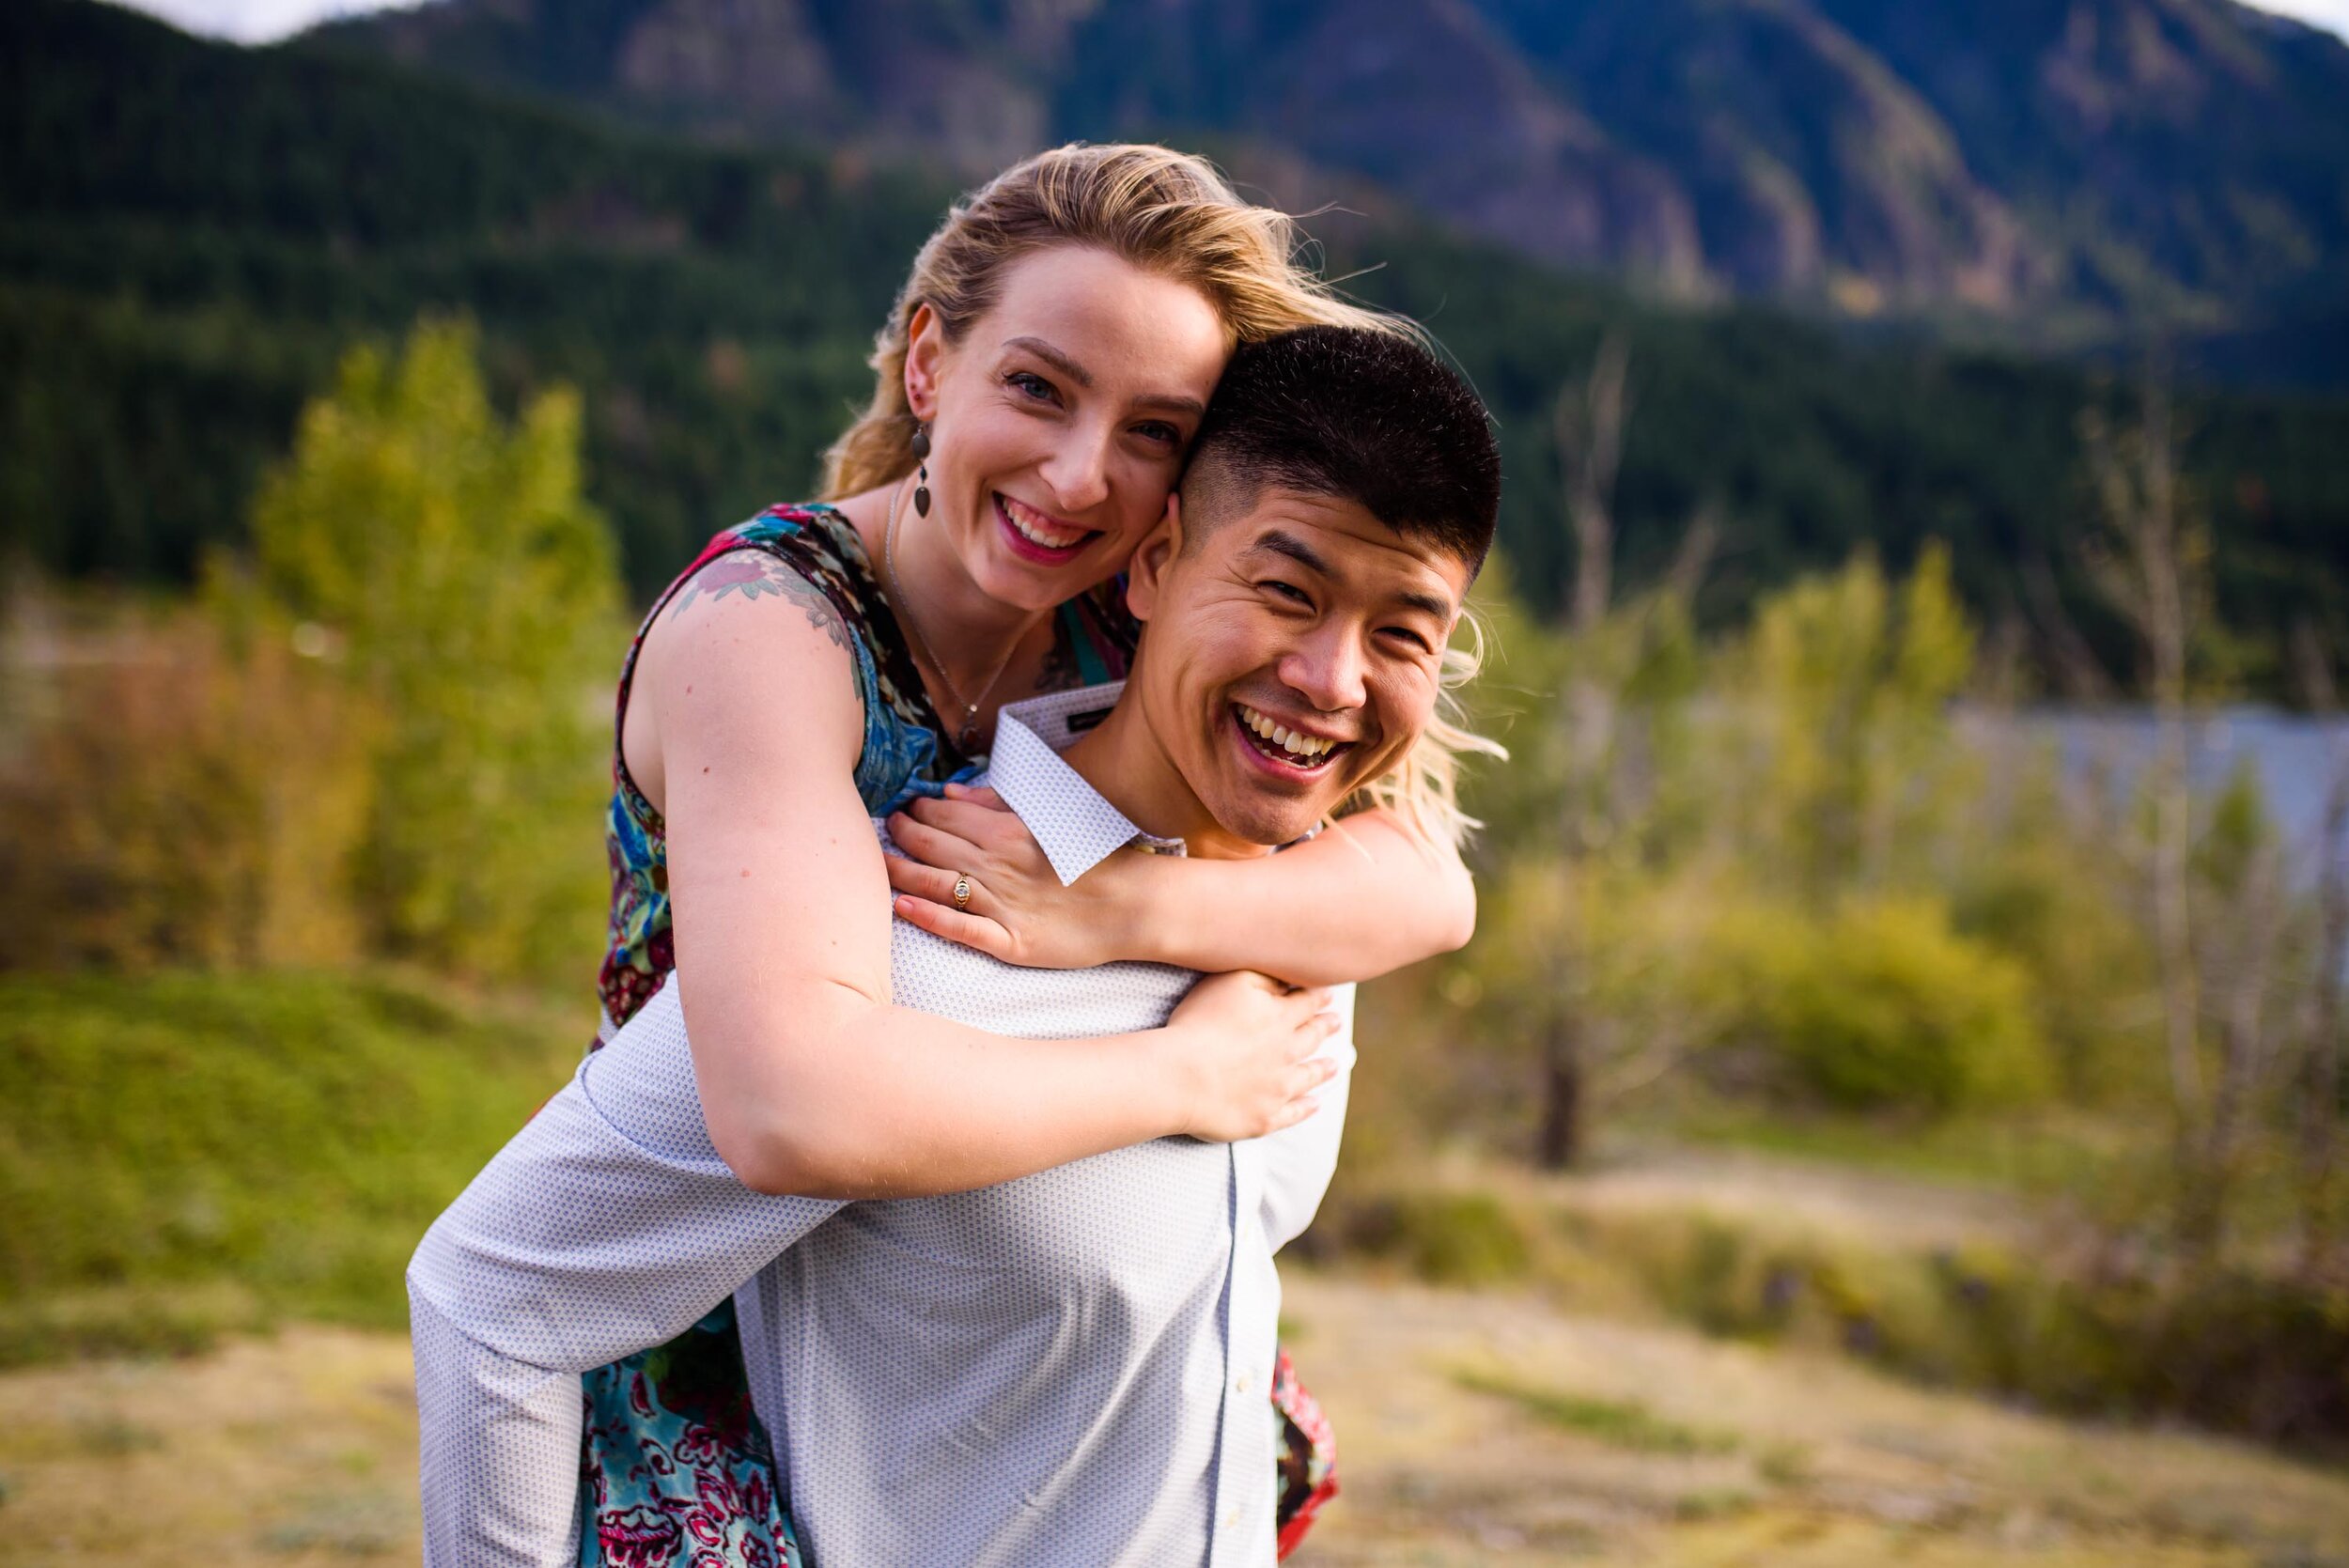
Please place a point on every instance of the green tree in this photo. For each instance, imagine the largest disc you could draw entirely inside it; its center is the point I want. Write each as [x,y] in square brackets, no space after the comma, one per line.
[446,563]
[1845,684]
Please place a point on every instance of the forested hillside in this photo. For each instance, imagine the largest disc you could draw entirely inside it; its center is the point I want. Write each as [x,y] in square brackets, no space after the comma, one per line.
[2090,162]
[188,233]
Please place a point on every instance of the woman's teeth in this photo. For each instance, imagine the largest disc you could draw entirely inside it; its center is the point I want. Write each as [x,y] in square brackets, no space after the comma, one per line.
[1303,747]
[1034,527]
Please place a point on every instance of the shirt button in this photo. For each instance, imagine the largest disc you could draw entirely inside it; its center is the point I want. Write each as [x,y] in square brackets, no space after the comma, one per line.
[1242,1384]
[1230,1520]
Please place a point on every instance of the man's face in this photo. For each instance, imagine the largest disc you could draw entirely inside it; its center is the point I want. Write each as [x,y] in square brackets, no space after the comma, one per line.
[1292,654]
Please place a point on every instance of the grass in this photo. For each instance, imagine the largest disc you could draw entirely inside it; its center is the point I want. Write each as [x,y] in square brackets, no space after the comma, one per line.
[183,1154]
[1832,1466]
[2247,1352]
[1619,1423]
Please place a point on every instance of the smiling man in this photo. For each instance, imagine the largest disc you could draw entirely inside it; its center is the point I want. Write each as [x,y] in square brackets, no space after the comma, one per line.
[1070,1368]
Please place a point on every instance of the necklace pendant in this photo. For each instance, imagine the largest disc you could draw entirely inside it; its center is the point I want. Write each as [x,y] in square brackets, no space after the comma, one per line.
[967,738]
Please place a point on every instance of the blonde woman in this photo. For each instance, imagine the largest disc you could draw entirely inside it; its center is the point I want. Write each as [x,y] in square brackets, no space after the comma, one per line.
[1040,378]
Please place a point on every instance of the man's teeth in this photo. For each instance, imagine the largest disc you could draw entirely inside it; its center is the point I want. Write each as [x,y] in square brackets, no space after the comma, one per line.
[1032,528]
[1302,746]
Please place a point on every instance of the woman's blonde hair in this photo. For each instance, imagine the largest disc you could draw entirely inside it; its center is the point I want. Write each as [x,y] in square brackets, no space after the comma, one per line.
[1424,787]
[1167,213]
[1171,214]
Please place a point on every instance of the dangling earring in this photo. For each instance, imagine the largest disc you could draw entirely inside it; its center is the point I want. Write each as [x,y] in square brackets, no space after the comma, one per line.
[922,479]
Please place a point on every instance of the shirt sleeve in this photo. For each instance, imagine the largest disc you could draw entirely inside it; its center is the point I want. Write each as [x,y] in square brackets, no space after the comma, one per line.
[1299,1160]
[607,1226]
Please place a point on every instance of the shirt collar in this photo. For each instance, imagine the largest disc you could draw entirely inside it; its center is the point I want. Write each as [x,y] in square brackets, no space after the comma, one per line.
[1073,822]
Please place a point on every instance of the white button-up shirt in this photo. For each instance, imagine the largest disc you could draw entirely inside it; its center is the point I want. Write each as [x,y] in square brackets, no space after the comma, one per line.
[1071,1367]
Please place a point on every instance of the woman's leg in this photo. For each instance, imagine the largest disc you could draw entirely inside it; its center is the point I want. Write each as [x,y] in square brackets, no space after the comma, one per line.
[677,1471]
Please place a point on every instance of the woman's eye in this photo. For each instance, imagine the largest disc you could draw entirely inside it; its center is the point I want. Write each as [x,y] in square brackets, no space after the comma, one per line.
[1032,384]
[1165,435]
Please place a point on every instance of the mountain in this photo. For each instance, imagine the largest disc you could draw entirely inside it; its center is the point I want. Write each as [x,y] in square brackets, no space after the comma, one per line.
[2074,163]
[181,262]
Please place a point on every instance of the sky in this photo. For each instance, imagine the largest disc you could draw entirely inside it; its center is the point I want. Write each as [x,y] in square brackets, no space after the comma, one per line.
[259,21]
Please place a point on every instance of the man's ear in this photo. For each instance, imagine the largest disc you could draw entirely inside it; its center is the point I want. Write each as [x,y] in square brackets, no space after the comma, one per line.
[1146,574]
[925,348]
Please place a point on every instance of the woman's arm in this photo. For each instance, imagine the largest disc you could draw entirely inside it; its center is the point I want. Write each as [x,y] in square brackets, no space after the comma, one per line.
[811,1080]
[1370,894]
[1367,895]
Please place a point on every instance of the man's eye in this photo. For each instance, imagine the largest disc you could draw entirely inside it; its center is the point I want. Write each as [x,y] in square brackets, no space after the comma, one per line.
[1032,384]
[1288,591]
[1405,634]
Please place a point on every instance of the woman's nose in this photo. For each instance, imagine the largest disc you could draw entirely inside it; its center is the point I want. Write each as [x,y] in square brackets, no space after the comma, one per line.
[1079,472]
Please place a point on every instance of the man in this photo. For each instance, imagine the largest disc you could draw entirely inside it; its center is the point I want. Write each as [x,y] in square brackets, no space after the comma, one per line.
[1070,1368]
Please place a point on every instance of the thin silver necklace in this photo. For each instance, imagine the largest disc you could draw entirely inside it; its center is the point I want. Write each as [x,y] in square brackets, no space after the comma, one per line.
[967,735]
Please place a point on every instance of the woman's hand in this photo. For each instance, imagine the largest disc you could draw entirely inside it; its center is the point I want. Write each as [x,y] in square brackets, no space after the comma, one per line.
[1018,911]
[1242,1048]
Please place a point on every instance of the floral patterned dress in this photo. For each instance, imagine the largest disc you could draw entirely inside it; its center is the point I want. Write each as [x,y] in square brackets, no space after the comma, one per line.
[676,1471]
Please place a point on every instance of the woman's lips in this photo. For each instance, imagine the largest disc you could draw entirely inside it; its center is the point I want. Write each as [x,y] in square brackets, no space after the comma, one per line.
[1035,537]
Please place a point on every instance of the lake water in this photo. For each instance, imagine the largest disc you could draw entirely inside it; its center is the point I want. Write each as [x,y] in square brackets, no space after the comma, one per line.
[2294,756]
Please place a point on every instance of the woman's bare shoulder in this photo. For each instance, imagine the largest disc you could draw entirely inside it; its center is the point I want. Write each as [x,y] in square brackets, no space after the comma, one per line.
[748,659]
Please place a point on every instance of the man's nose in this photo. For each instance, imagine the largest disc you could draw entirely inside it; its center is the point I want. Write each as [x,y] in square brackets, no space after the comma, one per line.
[1077,471]
[1326,669]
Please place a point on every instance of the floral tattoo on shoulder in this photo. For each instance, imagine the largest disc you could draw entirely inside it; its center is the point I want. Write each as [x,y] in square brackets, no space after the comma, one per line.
[754,574]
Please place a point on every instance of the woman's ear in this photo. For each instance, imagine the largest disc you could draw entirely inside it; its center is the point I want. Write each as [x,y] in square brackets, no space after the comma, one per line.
[925,354]
[1146,574]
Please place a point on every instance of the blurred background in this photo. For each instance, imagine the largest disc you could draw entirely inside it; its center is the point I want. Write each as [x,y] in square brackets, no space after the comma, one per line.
[1893,1111]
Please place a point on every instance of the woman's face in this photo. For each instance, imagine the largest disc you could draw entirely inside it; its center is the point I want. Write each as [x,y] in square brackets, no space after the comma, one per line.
[1060,421]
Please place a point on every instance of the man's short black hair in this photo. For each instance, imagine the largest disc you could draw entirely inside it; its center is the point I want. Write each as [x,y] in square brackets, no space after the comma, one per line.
[1367,416]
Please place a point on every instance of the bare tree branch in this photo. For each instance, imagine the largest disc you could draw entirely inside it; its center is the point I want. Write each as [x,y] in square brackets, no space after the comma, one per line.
[2075,663]
[2322,1083]
[1590,448]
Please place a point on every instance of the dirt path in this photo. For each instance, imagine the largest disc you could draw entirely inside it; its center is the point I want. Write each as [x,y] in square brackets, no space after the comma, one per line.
[286,1451]
[1607,1444]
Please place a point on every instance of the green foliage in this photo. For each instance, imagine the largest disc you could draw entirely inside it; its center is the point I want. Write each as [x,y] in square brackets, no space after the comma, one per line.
[2238,1350]
[2235,1352]
[184,1151]
[1880,1003]
[1446,1238]
[1623,922]
[467,595]
[1845,683]
[2037,889]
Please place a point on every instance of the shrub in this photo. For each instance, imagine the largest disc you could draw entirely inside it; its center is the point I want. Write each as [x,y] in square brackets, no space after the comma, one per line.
[1446,1238]
[1882,1004]
[180,801]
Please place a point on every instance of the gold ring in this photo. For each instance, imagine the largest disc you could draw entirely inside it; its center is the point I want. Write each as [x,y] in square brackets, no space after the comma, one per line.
[962,889]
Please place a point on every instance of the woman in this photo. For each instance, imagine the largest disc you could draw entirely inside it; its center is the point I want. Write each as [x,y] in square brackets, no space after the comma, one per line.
[1038,380]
